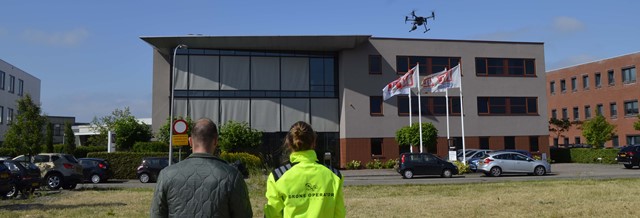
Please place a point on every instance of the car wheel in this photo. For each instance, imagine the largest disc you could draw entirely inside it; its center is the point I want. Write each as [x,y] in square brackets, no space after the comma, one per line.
[144,178]
[70,186]
[54,181]
[13,191]
[95,178]
[496,171]
[628,166]
[539,171]
[407,174]
[446,173]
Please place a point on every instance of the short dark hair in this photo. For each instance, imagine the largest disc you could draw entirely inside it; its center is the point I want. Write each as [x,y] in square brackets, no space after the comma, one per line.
[204,131]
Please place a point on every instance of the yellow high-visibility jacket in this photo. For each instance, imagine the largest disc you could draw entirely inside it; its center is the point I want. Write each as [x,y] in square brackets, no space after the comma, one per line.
[304,188]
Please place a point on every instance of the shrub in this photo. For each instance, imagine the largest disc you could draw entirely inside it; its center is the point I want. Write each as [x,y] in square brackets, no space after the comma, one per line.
[353,165]
[390,164]
[375,164]
[124,164]
[462,168]
[10,152]
[252,162]
[588,155]
[560,155]
[150,147]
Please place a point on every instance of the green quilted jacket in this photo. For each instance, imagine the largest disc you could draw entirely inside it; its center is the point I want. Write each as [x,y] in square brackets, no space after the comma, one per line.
[201,186]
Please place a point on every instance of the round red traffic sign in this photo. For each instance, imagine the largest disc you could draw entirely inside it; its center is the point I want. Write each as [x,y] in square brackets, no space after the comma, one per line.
[180,127]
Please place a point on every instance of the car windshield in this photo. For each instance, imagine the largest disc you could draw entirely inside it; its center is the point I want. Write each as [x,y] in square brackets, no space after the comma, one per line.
[70,158]
[29,165]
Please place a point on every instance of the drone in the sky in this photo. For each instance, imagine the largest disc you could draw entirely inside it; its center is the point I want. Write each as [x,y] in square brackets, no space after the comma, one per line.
[419,21]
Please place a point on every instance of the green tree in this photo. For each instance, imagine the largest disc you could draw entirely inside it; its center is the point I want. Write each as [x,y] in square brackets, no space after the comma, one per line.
[636,125]
[237,135]
[127,129]
[559,126]
[25,131]
[409,135]
[163,133]
[69,138]
[49,137]
[597,131]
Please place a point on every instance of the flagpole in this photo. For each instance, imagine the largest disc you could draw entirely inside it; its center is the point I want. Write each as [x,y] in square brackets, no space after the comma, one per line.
[410,120]
[464,148]
[446,97]
[417,72]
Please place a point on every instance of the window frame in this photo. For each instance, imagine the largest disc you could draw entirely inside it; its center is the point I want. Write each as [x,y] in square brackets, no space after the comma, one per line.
[574,84]
[585,82]
[613,110]
[12,84]
[371,101]
[379,64]
[428,105]
[598,80]
[599,109]
[508,106]
[505,67]
[1,114]
[611,78]
[2,79]
[513,146]
[563,86]
[554,113]
[552,87]
[480,142]
[625,79]
[625,108]
[426,68]
[587,112]
[20,87]
[532,146]
[576,113]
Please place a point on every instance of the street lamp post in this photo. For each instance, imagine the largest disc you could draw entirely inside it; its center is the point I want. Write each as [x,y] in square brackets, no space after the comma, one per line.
[173,76]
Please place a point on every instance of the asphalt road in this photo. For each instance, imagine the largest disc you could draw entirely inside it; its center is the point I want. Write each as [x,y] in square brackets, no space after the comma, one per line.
[390,177]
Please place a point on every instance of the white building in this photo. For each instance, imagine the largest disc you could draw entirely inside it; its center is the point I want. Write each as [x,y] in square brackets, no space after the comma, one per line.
[14,84]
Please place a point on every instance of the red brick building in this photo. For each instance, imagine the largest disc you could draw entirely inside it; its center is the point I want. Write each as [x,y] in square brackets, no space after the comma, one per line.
[608,87]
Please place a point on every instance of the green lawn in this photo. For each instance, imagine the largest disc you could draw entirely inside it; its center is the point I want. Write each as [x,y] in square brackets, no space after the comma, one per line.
[565,198]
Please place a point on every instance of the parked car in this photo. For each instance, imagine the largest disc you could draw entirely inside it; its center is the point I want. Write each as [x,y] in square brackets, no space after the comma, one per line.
[25,177]
[95,170]
[629,156]
[5,180]
[523,152]
[412,164]
[497,163]
[150,167]
[474,154]
[58,170]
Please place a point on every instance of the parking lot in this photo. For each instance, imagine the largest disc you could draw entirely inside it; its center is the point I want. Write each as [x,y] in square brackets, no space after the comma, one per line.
[390,177]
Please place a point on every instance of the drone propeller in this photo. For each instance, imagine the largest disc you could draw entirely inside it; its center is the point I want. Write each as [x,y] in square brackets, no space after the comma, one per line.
[406,18]
[433,14]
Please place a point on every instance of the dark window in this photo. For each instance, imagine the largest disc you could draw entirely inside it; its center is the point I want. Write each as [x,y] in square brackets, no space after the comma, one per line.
[376,146]
[507,105]
[554,114]
[555,142]
[20,87]
[599,109]
[574,86]
[598,80]
[428,65]
[57,130]
[533,143]
[631,108]
[375,106]
[1,115]
[585,82]
[552,87]
[430,106]
[375,64]
[2,80]
[566,141]
[576,140]
[563,86]
[503,157]
[9,115]
[576,113]
[611,77]
[41,159]
[613,110]
[505,67]
[629,75]
[565,114]
[633,139]
[12,84]
[614,141]
[509,142]
[484,142]
[587,112]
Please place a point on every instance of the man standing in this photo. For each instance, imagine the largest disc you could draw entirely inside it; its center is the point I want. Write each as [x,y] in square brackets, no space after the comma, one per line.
[201,185]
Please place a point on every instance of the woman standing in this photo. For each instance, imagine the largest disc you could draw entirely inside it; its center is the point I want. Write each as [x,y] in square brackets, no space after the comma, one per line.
[303,187]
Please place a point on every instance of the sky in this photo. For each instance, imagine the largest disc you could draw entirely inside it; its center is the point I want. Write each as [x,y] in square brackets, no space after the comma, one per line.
[90,58]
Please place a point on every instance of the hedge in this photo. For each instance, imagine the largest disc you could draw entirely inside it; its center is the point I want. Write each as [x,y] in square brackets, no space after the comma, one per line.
[8,152]
[124,164]
[150,147]
[584,155]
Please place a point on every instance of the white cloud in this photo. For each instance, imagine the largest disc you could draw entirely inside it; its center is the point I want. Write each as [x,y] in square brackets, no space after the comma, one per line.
[571,61]
[65,38]
[567,24]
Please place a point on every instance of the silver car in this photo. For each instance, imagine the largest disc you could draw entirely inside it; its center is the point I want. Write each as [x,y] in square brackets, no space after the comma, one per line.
[497,163]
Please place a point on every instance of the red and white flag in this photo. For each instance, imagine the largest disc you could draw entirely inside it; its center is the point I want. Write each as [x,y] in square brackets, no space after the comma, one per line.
[401,85]
[443,80]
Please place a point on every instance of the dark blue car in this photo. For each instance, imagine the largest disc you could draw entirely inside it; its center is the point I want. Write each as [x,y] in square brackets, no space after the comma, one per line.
[5,180]
[95,170]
